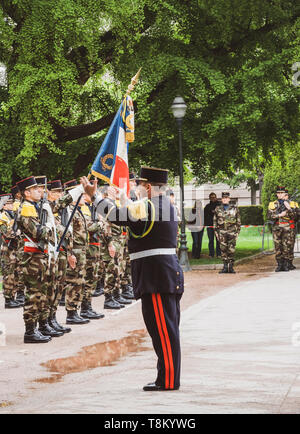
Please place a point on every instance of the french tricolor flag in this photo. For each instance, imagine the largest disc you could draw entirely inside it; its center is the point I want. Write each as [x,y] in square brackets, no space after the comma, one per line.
[111,163]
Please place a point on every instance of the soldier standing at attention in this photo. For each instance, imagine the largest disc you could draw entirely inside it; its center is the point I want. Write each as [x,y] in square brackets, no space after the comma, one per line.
[156,274]
[227,226]
[283,218]
[295,207]
[94,228]
[75,278]
[20,298]
[55,192]
[34,260]
[8,252]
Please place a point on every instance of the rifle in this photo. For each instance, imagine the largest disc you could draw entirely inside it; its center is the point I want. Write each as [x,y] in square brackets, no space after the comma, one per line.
[43,216]
[68,224]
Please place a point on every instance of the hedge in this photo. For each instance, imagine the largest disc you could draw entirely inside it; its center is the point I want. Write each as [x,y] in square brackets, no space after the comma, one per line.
[250,215]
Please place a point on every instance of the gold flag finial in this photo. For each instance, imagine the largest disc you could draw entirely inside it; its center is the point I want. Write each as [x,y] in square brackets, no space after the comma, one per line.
[134,81]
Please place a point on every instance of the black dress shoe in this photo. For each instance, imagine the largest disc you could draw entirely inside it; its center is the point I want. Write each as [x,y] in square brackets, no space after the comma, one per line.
[153,387]
[74,318]
[10,303]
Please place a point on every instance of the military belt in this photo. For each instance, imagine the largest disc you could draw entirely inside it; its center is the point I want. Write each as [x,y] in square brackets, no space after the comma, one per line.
[151,252]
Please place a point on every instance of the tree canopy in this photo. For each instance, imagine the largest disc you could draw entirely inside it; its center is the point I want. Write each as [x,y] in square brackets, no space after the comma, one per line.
[69,62]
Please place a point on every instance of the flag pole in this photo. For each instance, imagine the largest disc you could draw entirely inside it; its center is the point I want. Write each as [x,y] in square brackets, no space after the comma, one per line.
[130,88]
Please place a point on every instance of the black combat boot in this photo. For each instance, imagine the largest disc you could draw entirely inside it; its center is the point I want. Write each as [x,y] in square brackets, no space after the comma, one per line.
[62,301]
[118,297]
[10,303]
[99,288]
[127,292]
[285,265]
[33,336]
[20,298]
[224,269]
[279,265]
[56,326]
[111,303]
[88,312]
[230,268]
[291,265]
[47,330]
[74,318]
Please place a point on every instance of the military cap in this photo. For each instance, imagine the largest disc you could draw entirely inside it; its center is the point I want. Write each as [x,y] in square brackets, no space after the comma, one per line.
[286,191]
[14,190]
[225,194]
[71,184]
[280,189]
[152,174]
[56,185]
[26,183]
[41,180]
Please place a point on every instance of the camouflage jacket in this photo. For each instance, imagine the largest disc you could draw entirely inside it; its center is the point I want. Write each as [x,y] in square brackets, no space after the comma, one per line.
[94,228]
[287,221]
[227,220]
[67,245]
[34,232]
[8,235]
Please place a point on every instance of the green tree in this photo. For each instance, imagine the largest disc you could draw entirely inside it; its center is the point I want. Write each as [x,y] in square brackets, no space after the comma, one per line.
[69,62]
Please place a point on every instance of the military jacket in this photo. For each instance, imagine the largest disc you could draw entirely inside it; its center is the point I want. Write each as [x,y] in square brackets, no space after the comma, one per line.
[287,221]
[152,226]
[227,220]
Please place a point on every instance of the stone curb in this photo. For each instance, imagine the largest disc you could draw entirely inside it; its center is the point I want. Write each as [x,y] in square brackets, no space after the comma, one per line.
[220,266]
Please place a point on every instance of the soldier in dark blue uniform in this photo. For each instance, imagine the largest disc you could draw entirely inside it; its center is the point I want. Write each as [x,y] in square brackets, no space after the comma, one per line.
[156,274]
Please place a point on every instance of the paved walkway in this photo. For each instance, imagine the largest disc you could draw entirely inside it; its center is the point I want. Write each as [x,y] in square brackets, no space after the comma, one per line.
[241,354]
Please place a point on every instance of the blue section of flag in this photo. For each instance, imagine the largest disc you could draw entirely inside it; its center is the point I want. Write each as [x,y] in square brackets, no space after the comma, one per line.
[105,160]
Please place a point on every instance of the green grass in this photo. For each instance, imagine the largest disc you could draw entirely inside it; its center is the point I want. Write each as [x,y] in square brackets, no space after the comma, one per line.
[248,243]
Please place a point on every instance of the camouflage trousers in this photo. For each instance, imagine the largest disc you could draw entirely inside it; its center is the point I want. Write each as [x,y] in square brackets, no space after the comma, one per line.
[36,287]
[112,275]
[293,240]
[59,283]
[284,241]
[9,272]
[75,281]
[227,241]
[92,272]
[125,268]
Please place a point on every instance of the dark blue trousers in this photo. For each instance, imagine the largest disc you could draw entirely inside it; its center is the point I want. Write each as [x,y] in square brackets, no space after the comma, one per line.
[211,247]
[161,314]
[197,243]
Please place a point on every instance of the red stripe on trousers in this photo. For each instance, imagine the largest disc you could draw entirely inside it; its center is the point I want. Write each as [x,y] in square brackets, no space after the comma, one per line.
[163,344]
[169,348]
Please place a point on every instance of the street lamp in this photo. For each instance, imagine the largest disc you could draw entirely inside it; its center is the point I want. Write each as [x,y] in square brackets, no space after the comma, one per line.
[179,108]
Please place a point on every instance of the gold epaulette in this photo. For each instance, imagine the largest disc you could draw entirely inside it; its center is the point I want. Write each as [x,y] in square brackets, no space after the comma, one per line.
[16,205]
[28,210]
[272,206]
[138,209]
[86,211]
[3,219]
[294,204]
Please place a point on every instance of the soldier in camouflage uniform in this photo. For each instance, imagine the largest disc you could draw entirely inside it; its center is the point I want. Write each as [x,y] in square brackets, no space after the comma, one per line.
[34,260]
[112,253]
[295,207]
[227,226]
[19,249]
[8,251]
[55,192]
[75,278]
[94,228]
[283,218]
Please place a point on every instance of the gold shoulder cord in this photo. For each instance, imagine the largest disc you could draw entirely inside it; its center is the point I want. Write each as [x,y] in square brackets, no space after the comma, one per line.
[146,232]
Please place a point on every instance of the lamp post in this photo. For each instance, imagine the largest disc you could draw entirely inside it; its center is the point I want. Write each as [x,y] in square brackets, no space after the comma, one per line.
[179,108]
